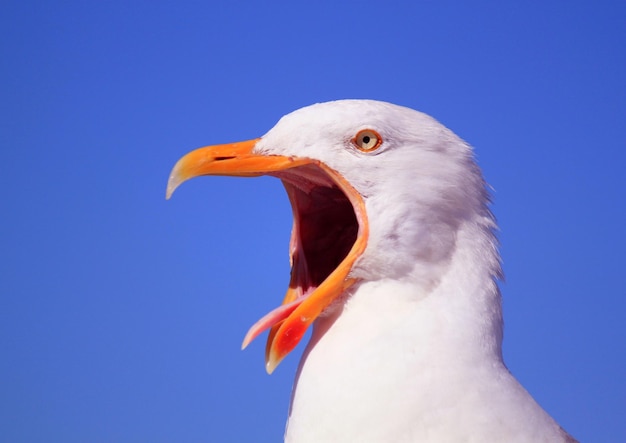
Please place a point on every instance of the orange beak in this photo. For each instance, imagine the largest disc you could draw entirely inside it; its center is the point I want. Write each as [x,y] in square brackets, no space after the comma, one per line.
[311,290]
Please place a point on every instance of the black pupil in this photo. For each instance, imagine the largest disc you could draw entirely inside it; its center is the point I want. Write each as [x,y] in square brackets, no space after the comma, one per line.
[366,139]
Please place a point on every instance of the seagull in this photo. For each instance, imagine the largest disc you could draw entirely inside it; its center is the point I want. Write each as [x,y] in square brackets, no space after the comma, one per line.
[394,264]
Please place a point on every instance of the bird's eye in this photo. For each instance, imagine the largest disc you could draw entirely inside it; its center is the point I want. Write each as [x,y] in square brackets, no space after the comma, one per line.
[367,140]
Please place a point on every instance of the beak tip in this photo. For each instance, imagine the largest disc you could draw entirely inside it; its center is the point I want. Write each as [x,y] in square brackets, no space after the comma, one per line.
[272,361]
[269,367]
[173,183]
[169,191]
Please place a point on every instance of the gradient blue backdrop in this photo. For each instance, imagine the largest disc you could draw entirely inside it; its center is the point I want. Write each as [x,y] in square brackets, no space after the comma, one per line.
[121,314]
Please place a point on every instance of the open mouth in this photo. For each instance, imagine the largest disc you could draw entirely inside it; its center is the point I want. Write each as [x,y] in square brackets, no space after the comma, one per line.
[329,234]
[325,229]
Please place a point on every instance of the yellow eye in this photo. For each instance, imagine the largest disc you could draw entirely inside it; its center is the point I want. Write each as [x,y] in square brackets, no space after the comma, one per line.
[367,140]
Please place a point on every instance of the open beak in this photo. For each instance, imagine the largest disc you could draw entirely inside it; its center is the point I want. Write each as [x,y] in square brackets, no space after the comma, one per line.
[329,233]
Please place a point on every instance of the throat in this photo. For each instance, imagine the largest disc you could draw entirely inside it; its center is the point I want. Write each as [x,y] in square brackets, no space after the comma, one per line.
[326,227]
[459,308]
[392,342]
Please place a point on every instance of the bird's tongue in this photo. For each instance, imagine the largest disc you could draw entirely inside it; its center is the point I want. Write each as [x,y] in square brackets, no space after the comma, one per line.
[274,317]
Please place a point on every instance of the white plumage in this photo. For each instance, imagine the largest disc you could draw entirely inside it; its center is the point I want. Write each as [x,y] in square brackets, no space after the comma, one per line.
[411,350]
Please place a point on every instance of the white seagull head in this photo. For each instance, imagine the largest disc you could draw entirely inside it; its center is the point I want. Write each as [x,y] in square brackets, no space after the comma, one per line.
[378,192]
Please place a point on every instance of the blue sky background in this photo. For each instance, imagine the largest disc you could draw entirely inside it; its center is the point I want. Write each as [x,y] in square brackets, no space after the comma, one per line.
[121,314]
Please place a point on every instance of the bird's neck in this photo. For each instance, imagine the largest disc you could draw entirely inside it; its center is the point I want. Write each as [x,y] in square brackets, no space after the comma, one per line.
[404,341]
[453,298]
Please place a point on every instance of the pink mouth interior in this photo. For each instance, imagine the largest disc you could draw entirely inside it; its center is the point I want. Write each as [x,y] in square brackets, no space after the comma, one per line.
[325,229]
